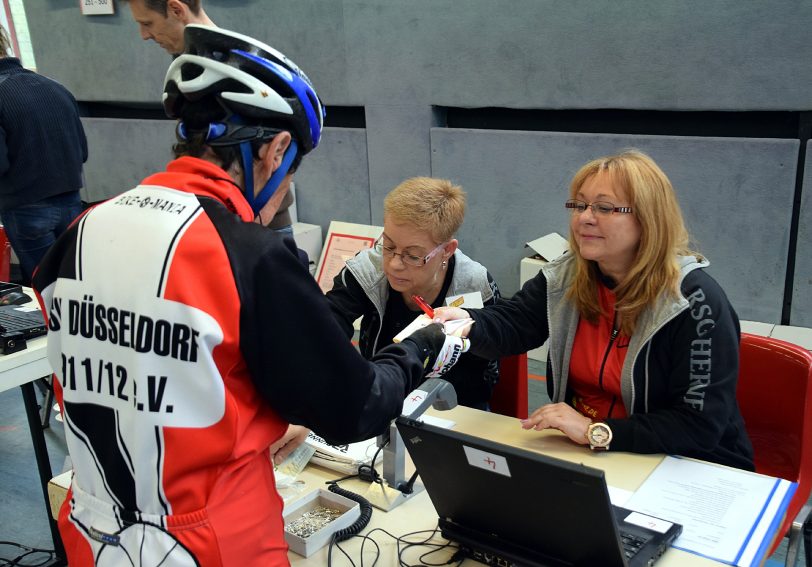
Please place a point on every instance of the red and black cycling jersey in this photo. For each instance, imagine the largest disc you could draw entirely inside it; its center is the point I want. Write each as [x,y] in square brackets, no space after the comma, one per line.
[184,339]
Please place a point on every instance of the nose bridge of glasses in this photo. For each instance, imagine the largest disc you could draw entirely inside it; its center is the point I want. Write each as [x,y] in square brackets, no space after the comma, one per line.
[580,207]
[411,258]
[405,257]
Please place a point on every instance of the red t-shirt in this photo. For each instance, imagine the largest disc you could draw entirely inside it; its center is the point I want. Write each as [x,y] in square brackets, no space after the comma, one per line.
[596,362]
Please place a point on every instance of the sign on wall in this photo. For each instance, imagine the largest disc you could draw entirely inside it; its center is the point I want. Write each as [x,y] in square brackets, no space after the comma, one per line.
[97,7]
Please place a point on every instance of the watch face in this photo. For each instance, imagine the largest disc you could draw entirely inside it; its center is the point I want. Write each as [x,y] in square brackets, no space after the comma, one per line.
[599,435]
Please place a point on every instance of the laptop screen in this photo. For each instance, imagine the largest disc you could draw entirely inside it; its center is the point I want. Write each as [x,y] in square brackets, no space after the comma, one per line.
[526,504]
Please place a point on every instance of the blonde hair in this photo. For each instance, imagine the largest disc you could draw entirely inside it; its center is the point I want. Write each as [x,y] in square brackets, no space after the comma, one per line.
[663,237]
[5,42]
[435,206]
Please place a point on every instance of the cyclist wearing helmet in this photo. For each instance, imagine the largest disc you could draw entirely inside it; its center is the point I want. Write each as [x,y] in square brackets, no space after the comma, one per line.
[163,21]
[186,336]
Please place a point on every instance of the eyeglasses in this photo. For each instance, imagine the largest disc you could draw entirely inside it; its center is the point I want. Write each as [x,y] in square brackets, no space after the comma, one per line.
[602,208]
[409,256]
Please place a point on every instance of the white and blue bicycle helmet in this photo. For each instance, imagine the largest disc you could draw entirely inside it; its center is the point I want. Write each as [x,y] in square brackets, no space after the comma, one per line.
[259,90]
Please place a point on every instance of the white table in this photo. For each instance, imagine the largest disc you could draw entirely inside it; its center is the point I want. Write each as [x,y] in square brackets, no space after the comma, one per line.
[22,369]
[623,470]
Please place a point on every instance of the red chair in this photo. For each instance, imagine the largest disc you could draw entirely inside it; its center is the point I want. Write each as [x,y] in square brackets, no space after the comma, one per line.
[775,398]
[509,396]
[5,256]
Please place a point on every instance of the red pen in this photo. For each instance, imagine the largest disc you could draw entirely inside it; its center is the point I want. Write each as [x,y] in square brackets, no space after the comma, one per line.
[424,306]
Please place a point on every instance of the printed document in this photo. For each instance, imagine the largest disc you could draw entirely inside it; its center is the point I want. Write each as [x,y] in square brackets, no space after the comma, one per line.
[727,514]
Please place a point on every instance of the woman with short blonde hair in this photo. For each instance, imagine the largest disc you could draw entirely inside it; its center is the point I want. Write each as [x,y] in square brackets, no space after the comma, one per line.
[417,255]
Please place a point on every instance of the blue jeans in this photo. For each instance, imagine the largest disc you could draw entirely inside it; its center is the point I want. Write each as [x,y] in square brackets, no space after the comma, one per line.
[288,229]
[32,229]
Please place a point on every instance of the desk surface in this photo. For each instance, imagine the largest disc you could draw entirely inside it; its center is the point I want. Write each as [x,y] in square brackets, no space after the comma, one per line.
[26,365]
[623,470]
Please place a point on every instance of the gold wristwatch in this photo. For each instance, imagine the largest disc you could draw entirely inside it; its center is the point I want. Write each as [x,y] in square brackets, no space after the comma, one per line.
[599,435]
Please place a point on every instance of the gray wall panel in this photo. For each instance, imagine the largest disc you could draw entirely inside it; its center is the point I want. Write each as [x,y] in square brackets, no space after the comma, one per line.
[402,60]
[122,152]
[516,53]
[398,137]
[802,284]
[98,58]
[579,54]
[736,196]
[333,182]
[103,58]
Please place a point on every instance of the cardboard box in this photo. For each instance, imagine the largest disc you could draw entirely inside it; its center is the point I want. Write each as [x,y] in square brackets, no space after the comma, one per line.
[350,512]
[308,238]
[757,328]
[545,249]
[58,491]
[798,335]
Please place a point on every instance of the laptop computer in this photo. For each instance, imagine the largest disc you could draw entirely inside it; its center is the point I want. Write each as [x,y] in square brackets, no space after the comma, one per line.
[17,324]
[505,506]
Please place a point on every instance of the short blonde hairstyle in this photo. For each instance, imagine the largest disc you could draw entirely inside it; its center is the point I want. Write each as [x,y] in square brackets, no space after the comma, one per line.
[663,237]
[435,206]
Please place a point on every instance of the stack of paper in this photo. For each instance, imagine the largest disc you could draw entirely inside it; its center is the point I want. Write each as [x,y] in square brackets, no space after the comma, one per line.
[727,514]
[342,458]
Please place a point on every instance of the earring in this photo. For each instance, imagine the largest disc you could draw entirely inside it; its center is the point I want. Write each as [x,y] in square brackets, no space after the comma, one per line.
[445,264]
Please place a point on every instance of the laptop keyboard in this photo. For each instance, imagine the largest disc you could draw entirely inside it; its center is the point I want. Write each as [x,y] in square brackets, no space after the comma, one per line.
[11,322]
[631,543]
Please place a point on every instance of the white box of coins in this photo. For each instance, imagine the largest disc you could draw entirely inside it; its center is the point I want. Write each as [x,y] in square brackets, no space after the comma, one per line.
[310,521]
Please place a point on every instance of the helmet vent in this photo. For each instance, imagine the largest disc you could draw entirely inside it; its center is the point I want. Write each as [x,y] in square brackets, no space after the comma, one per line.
[220,56]
[190,72]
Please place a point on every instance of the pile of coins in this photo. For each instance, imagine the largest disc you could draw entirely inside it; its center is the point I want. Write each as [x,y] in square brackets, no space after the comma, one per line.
[310,522]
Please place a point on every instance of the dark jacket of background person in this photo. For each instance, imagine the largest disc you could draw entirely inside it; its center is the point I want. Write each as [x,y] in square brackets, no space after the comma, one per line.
[42,142]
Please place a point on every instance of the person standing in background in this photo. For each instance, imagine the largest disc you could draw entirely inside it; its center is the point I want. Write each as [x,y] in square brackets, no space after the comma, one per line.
[163,21]
[42,149]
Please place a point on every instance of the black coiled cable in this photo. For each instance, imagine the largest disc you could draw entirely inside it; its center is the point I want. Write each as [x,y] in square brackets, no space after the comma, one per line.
[363,519]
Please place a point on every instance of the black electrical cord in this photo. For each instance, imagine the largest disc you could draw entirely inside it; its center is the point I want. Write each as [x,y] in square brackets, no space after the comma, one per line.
[403,545]
[366,473]
[409,486]
[363,519]
[27,552]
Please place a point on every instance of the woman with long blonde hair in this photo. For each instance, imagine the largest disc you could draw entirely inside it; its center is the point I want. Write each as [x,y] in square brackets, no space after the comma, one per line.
[644,344]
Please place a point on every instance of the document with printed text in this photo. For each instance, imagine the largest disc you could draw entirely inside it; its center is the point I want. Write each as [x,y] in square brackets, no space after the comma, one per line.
[727,514]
